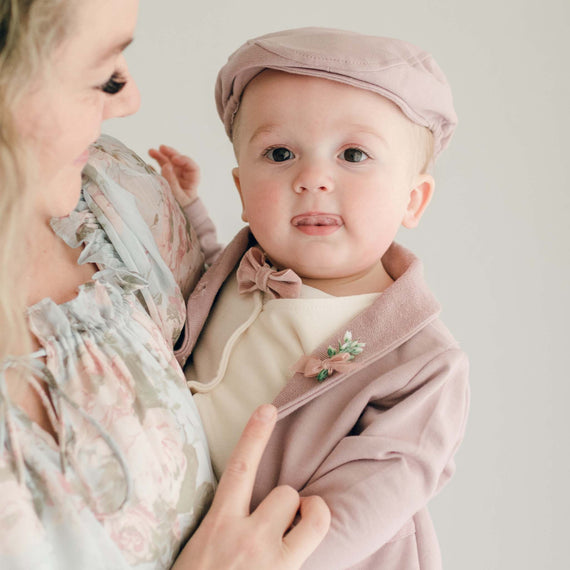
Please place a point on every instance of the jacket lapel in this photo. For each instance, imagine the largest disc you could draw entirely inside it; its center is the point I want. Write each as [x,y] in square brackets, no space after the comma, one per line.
[400,312]
[203,296]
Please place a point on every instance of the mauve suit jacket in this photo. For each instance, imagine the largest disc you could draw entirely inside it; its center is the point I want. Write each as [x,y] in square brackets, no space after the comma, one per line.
[376,442]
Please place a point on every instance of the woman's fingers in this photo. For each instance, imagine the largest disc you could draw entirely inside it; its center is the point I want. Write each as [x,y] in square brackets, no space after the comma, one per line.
[230,538]
[276,514]
[308,533]
[278,510]
[234,490]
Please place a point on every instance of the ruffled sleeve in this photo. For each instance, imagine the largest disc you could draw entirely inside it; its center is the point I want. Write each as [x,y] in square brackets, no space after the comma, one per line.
[174,236]
[147,229]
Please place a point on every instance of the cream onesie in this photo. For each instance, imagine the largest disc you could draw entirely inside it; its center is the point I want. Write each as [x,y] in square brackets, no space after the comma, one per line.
[246,351]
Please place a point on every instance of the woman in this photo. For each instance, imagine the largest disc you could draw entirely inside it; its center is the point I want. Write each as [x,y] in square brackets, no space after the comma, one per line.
[103,461]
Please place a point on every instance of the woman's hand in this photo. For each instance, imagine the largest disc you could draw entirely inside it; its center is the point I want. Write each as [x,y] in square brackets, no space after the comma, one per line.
[232,538]
[180,171]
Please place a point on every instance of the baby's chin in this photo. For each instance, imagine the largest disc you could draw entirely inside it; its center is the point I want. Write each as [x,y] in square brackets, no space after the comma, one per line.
[371,279]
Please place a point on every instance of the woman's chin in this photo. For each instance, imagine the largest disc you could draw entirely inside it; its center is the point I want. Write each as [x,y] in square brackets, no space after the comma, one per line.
[61,198]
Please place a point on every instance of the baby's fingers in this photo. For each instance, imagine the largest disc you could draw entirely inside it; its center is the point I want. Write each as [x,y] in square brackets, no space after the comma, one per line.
[168,173]
[177,158]
[184,161]
[159,157]
[169,151]
[189,173]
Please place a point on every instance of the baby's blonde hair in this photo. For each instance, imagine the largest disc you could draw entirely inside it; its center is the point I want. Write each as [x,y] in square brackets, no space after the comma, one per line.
[30,30]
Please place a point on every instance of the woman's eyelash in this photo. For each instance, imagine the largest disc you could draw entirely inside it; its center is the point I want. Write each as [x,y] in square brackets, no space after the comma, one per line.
[114,84]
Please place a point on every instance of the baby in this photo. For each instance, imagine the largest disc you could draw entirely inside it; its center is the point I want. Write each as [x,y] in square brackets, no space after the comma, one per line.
[314,307]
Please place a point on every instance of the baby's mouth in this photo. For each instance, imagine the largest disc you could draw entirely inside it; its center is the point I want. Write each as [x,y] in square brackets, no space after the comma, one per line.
[316,219]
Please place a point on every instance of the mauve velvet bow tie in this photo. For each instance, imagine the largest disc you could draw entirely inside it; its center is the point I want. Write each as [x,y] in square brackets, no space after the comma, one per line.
[255,273]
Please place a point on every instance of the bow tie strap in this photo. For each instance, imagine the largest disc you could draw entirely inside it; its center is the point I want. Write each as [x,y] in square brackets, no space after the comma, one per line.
[254,273]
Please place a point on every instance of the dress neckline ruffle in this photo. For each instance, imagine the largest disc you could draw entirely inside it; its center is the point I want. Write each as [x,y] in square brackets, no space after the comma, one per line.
[99,302]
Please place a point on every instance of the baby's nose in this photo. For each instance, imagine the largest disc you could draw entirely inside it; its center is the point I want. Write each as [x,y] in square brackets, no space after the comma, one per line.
[313,178]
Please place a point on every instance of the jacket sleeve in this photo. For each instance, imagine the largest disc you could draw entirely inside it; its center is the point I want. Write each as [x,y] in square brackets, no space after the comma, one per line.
[399,455]
[198,217]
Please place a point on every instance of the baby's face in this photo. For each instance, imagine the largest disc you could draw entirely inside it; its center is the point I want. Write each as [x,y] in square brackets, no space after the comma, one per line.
[327,173]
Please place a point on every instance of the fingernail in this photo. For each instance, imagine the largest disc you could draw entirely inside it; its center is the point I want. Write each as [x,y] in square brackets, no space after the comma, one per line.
[266,412]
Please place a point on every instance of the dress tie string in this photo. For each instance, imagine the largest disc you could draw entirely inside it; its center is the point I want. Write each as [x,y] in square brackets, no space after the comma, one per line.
[33,369]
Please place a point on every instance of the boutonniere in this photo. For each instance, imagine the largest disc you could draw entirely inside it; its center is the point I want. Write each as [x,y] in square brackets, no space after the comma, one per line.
[339,359]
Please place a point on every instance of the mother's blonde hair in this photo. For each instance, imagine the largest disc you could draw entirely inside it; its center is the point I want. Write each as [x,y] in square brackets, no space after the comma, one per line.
[30,30]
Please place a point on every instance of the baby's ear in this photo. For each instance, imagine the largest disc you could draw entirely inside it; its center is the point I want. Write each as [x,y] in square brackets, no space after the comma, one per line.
[235,174]
[420,196]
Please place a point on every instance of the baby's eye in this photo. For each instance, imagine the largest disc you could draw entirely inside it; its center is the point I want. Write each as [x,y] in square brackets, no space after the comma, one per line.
[279,154]
[354,155]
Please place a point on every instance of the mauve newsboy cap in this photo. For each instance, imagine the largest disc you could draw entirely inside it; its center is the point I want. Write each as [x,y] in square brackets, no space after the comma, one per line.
[395,69]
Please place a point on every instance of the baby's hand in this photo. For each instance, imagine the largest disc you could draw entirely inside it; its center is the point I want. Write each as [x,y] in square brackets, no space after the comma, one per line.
[180,171]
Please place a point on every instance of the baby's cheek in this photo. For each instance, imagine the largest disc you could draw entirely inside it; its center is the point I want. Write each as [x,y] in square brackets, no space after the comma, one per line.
[264,208]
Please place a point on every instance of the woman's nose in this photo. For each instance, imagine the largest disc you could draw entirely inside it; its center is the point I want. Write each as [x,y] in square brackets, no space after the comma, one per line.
[126,102]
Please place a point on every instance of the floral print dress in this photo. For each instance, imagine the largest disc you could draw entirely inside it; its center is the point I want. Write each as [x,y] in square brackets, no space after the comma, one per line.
[129,477]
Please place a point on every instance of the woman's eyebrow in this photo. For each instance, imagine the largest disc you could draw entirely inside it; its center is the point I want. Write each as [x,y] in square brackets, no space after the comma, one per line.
[114,50]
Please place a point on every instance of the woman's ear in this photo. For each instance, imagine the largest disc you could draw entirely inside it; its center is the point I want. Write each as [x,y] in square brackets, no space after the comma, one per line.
[420,196]
[235,174]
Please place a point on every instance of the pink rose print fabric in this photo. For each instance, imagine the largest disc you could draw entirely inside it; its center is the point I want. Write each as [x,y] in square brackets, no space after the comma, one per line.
[129,477]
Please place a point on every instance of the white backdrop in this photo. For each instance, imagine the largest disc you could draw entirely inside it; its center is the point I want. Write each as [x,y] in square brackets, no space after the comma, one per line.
[495,240]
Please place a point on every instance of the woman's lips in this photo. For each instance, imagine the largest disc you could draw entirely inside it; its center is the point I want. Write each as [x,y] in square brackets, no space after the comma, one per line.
[317,223]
